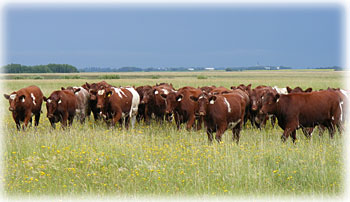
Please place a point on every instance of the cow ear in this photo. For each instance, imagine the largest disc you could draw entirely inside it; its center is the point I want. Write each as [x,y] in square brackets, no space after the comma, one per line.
[87,85]
[76,90]
[289,89]
[6,96]
[308,90]
[108,94]
[62,88]
[22,98]
[233,87]
[212,99]
[277,96]
[194,98]
[179,97]
[45,98]
[163,96]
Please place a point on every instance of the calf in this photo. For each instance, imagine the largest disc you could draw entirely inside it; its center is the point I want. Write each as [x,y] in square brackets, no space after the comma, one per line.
[303,110]
[25,103]
[83,97]
[61,107]
[221,112]
[118,104]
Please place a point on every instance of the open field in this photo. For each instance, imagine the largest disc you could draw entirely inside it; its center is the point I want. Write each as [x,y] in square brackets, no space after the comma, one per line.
[158,160]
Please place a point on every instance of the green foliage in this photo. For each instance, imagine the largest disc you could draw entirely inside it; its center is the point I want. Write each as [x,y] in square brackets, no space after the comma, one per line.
[50,68]
[155,76]
[112,76]
[36,77]
[202,77]
[71,77]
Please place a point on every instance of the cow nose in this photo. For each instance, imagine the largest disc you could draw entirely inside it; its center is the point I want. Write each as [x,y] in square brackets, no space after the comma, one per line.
[201,113]
[142,102]
[254,108]
[98,106]
[11,109]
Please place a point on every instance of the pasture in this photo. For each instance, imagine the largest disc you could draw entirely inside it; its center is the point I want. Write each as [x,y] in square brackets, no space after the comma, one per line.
[158,160]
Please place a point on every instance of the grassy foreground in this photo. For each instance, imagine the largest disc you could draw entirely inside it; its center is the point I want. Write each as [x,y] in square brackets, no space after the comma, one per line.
[158,160]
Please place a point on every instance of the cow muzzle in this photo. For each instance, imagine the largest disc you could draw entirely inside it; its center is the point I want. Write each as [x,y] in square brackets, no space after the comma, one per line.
[99,106]
[201,114]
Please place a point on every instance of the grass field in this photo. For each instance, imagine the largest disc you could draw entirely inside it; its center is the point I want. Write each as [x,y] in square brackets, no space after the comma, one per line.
[158,160]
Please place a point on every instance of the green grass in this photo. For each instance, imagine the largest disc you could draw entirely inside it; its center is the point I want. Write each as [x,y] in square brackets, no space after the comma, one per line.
[158,160]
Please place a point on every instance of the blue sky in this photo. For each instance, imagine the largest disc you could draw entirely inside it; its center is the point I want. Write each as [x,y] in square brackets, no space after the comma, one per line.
[183,36]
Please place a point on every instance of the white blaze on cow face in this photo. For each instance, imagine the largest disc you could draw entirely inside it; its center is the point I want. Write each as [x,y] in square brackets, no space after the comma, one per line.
[23,100]
[13,96]
[33,98]
[100,92]
[59,101]
[212,101]
[49,100]
[180,98]
[165,91]
[228,105]
[156,92]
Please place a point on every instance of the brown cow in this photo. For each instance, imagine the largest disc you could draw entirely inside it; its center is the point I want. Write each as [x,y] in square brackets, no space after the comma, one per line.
[92,89]
[303,110]
[25,103]
[207,89]
[182,106]
[61,106]
[83,97]
[221,112]
[219,90]
[154,102]
[142,113]
[118,104]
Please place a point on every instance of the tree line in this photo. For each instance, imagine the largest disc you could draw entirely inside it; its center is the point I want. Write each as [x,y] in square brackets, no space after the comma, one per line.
[49,68]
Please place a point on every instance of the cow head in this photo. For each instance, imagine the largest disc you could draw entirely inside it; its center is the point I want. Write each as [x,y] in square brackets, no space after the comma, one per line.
[73,89]
[269,103]
[172,100]
[52,104]
[148,96]
[203,102]
[15,101]
[102,95]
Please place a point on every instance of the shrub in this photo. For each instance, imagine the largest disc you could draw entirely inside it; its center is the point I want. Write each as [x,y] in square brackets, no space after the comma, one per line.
[201,77]
[37,77]
[155,77]
[113,76]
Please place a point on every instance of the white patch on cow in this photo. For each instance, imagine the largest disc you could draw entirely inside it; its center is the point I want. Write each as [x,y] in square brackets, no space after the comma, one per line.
[344,93]
[119,92]
[49,100]
[180,98]
[134,105]
[59,101]
[23,100]
[277,100]
[228,105]
[233,124]
[166,92]
[32,95]
[332,117]
[280,90]
[156,92]
[200,97]
[212,101]
[100,92]
[341,110]
[13,96]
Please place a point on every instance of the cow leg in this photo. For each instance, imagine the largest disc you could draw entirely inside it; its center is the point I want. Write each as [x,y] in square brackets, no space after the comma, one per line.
[219,132]
[177,120]
[37,118]
[286,133]
[210,135]
[64,120]
[116,118]
[199,123]
[235,132]
[127,121]
[294,136]
[27,118]
[70,120]
[321,129]
[331,130]
[18,124]
[273,121]
[190,122]
[307,132]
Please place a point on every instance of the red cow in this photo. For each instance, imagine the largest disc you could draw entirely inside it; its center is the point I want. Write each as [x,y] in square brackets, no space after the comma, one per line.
[92,89]
[142,113]
[118,104]
[25,103]
[61,106]
[303,110]
[184,108]
[221,112]
[298,90]
[83,97]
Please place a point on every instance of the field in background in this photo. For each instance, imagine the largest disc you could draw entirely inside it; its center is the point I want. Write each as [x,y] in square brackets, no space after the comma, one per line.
[159,160]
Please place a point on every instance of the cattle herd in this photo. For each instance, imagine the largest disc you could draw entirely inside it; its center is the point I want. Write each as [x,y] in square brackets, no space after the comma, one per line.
[217,108]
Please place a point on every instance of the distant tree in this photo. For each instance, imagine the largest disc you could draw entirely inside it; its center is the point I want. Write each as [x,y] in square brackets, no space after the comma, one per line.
[50,68]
